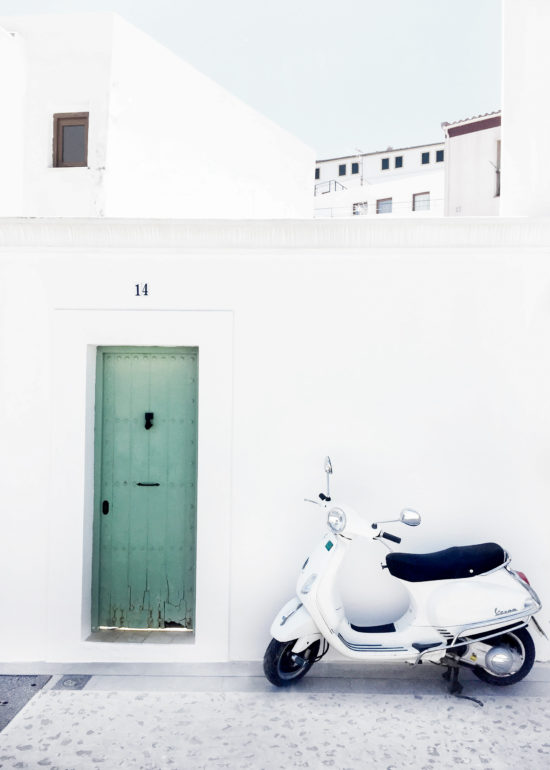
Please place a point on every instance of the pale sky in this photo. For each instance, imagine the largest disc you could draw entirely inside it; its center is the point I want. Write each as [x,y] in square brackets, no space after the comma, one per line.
[341,76]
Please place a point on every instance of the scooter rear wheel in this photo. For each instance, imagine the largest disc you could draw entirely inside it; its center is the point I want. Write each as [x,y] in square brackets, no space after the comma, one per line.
[283,667]
[522,645]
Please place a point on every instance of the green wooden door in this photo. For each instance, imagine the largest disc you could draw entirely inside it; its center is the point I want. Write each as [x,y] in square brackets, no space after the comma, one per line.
[146,488]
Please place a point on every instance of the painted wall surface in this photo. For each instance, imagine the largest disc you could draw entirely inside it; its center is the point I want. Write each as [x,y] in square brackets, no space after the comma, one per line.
[400,188]
[414,353]
[471,179]
[66,68]
[12,94]
[164,140]
[182,146]
[525,65]
[370,165]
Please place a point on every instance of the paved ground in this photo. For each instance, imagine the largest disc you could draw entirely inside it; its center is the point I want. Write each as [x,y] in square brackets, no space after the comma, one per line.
[389,721]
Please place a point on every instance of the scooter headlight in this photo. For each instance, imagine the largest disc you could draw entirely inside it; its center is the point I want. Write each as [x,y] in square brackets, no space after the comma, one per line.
[336,520]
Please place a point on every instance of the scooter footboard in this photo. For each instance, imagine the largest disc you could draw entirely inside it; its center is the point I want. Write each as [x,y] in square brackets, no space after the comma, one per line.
[294,622]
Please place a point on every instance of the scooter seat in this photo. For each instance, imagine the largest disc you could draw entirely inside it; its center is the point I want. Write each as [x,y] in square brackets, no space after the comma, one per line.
[457,562]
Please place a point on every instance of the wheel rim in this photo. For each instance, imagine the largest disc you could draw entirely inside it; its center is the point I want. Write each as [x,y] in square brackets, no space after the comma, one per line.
[514,645]
[290,664]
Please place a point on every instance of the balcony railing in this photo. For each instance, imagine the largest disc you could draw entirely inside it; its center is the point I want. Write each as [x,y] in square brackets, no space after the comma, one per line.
[331,185]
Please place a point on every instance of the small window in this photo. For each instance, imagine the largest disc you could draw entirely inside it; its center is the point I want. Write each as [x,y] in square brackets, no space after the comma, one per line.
[439,156]
[342,170]
[317,173]
[398,161]
[355,168]
[70,139]
[360,209]
[384,206]
[425,158]
[421,201]
[385,164]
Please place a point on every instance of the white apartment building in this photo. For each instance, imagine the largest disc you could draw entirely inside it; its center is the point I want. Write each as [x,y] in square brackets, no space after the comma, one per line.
[472,166]
[103,121]
[402,182]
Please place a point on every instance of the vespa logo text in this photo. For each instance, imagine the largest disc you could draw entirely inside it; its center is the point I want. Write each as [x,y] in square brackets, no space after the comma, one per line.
[504,612]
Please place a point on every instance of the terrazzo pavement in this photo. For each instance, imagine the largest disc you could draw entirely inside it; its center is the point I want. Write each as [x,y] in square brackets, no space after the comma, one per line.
[115,725]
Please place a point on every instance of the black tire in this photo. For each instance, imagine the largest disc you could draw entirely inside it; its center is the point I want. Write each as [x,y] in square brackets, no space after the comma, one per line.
[282,668]
[521,642]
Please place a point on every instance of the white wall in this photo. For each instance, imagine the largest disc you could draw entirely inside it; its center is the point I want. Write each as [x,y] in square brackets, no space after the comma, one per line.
[67,65]
[470,184]
[526,108]
[370,165]
[12,94]
[182,146]
[415,353]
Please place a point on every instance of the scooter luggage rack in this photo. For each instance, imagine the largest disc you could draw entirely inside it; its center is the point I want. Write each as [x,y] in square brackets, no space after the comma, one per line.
[459,642]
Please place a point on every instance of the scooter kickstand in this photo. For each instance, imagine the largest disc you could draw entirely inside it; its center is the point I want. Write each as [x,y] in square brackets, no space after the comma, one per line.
[455,688]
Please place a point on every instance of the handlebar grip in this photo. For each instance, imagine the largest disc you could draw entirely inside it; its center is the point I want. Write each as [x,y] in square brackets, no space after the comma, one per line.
[393,538]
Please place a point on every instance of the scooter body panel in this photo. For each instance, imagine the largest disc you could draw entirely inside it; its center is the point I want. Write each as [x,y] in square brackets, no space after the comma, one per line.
[293,622]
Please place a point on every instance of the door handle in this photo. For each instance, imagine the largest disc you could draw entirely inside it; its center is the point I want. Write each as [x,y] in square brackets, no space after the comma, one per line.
[105,507]
[148,484]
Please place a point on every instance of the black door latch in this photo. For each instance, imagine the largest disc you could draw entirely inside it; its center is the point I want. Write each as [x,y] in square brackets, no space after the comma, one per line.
[149,420]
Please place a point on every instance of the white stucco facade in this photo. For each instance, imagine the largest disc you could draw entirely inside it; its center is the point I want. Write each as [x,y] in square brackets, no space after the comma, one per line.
[473,167]
[366,340]
[353,185]
[164,140]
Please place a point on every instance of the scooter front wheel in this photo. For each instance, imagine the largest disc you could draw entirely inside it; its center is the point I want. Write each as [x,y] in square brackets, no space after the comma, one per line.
[283,667]
[515,646]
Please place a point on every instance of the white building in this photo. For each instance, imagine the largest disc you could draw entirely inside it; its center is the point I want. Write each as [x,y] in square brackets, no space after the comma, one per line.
[472,169]
[414,352]
[145,134]
[403,182]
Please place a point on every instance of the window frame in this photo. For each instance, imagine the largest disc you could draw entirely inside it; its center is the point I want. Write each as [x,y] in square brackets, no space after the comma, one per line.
[422,208]
[340,167]
[317,173]
[400,159]
[60,120]
[360,209]
[442,158]
[425,155]
[384,200]
[384,167]
[355,168]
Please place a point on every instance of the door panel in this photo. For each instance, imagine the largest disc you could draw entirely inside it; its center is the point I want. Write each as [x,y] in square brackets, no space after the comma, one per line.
[145,549]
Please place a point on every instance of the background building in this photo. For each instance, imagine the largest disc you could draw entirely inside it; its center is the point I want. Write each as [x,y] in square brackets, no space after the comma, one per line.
[145,134]
[472,170]
[402,182]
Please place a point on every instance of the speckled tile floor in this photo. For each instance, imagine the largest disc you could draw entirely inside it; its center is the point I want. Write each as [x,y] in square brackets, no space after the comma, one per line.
[101,729]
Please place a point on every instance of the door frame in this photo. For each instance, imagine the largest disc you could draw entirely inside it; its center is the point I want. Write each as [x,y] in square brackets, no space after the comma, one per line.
[76,334]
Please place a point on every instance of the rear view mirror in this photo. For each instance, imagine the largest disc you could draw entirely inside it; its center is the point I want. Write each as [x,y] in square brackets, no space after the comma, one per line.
[410,517]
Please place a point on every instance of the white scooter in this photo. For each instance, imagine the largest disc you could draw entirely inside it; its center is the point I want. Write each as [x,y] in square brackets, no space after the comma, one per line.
[467,607]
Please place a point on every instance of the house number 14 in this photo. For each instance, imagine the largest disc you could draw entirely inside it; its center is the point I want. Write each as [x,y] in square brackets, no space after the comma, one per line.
[141,290]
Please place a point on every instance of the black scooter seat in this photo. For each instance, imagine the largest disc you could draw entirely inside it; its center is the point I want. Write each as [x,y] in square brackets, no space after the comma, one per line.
[457,562]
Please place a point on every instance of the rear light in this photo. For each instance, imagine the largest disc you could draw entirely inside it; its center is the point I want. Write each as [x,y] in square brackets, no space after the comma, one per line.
[523,576]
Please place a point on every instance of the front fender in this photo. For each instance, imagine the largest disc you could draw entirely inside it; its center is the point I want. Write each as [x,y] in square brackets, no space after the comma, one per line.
[293,622]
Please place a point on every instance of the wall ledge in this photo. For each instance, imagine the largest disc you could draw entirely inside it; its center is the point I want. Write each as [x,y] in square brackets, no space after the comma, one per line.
[193,234]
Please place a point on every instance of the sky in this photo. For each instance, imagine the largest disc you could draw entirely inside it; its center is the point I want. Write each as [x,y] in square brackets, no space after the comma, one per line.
[341,76]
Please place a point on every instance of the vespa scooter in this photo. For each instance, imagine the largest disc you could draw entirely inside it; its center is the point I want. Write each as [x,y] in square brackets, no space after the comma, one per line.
[467,607]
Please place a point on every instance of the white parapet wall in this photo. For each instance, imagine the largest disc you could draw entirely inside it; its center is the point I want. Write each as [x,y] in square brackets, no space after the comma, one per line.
[414,353]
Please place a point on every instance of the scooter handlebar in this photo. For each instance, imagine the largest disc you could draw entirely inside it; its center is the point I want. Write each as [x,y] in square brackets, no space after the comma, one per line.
[393,538]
